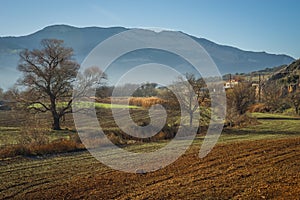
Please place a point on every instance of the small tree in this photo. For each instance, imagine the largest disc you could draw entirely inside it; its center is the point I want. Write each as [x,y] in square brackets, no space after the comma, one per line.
[146,90]
[239,98]
[193,94]
[271,95]
[48,76]
[104,91]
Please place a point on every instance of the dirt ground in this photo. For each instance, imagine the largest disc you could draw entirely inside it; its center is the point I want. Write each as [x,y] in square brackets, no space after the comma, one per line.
[262,169]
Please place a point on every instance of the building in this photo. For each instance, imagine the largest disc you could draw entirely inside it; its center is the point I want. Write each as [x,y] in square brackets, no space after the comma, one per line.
[230,84]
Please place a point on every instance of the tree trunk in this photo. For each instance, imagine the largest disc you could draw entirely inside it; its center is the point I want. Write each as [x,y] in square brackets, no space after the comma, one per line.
[191,119]
[297,110]
[56,123]
[55,115]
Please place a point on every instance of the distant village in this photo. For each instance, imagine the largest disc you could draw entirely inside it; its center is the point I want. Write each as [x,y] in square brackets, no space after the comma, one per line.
[258,82]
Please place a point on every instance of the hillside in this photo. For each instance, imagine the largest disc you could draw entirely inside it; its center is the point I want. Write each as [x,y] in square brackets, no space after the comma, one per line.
[83,40]
[289,73]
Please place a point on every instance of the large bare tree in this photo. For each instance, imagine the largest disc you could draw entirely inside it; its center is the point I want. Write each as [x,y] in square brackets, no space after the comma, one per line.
[48,74]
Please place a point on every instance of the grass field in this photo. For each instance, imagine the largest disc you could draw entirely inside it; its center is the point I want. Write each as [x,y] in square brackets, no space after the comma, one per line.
[257,162]
[95,104]
[11,129]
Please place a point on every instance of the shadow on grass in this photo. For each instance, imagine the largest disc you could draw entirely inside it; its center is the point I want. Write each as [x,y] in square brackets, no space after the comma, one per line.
[278,118]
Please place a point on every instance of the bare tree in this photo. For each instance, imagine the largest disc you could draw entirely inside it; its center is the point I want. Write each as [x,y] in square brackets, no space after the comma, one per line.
[271,95]
[240,97]
[48,77]
[193,93]
[294,99]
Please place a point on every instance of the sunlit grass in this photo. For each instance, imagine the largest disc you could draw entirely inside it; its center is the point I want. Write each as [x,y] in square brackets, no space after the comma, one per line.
[271,116]
[91,104]
[275,126]
[271,126]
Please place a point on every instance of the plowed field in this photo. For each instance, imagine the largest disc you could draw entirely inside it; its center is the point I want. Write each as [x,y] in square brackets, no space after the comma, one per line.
[255,169]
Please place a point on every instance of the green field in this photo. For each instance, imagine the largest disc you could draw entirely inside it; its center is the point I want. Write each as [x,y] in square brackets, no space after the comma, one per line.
[272,116]
[270,126]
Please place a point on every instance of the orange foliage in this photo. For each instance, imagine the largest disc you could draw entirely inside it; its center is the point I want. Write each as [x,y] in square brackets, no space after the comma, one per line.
[144,102]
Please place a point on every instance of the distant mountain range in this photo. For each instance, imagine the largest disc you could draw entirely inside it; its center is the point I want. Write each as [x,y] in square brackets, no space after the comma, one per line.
[83,40]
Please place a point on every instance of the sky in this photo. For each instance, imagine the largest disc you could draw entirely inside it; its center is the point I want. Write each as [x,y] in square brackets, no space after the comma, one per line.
[256,25]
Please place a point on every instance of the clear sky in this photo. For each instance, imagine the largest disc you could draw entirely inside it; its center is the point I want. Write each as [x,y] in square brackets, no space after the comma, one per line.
[257,25]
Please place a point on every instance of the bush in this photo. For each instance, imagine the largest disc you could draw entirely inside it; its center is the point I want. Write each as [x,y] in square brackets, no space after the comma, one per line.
[33,136]
[282,107]
[241,121]
[259,107]
[290,112]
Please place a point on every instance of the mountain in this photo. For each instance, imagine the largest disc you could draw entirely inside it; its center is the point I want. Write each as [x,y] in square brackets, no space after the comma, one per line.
[83,40]
[231,59]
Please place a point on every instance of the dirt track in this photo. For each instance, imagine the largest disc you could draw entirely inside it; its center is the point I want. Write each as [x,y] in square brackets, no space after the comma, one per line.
[263,169]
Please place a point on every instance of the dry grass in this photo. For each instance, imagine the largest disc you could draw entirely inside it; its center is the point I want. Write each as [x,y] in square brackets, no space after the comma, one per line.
[34,149]
[145,102]
[259,107]
[32,136]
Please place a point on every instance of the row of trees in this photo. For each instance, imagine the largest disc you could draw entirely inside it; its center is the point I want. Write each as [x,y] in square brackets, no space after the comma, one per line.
[128,89]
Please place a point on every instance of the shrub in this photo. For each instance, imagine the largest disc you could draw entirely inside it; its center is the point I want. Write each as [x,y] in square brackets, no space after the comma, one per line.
[259,107]
[241,121]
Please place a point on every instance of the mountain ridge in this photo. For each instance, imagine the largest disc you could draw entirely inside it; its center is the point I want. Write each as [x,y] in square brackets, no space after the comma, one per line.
[83,39]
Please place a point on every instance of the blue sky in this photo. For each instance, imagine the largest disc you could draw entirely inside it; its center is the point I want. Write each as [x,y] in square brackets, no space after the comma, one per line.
[257,25]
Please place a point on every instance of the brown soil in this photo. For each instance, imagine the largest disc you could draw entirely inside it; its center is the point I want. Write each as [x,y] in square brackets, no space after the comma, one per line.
[264,169]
